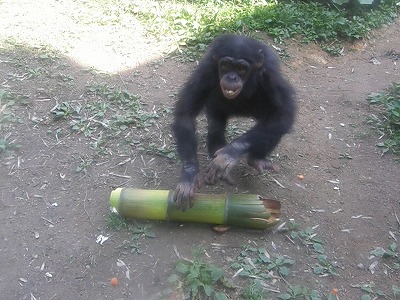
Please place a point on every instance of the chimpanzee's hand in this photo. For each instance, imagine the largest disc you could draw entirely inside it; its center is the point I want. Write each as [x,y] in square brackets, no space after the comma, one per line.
[261,165]
[184,192]
[221,166]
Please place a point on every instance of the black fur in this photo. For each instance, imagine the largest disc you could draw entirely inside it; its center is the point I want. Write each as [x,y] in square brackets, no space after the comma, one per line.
[266,96]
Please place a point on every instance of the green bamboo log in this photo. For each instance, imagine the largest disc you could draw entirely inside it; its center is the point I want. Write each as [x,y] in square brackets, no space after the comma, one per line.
[242,210]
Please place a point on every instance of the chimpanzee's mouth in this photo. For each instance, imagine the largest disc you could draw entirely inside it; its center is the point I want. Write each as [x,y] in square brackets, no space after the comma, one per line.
[231,94]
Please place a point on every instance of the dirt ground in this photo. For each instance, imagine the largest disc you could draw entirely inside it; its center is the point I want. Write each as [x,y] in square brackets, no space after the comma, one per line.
[54,188]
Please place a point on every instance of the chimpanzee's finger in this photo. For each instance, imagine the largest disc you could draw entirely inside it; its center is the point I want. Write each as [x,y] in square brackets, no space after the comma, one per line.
[181,196]
[211,173]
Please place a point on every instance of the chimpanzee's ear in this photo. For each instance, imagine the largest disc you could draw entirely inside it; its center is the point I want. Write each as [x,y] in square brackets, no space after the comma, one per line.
[260,59]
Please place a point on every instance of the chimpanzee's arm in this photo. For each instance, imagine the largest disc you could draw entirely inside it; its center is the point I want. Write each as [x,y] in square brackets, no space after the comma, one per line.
[259,141]
[256,143]
[184,131]
[191,101]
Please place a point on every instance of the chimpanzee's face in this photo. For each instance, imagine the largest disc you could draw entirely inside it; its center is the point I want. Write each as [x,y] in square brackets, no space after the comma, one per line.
[233,74]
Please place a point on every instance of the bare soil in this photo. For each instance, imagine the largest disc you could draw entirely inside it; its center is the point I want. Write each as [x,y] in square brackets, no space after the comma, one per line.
[52,214]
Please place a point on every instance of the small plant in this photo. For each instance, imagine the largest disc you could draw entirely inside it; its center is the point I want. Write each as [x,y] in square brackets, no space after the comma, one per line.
[254,292]
[36,72]
[345,156]
[65,110]
[391,253]
[370,291]
[84,165]
[396,291]
[309,238]
[300,292]
[387,122]
[7,117]
[256,263]
[324,266]
[141,231]
[7,146]
[138,234]
[8,99]
[166,151]
[114,221]
[198,279]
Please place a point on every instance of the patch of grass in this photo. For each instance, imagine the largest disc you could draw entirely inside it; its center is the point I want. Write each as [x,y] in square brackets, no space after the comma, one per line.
[108,113]
[7,146]
[8,102]
[114,221]
[138,233]
[257,263]
[167,151]
[194,24]
[387,119]
[309,238]
[8,99]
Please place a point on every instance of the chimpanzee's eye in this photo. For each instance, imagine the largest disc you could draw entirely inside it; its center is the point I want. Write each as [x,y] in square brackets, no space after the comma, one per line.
[241,69]
[225,64]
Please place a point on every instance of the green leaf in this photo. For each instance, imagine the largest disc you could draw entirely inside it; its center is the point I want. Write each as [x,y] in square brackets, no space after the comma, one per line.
[216,274]
[220,296]
[208,290]
[319,270]
[194,273]
[289,261]
[314,295]
[379,252]
[366,1]
[284,296]
[331,297]
[236,266]
[173,278]
[263,258]
[393,247]
[182,268]
[309,231]
[318,248]
[380,293]
[245,273]
[396,290]
[298,290]
[340,2]
[284,271]
[366,297]
[368,287]
[150,234]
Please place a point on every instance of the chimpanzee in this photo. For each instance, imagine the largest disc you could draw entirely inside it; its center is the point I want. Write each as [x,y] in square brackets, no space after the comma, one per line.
[238,76]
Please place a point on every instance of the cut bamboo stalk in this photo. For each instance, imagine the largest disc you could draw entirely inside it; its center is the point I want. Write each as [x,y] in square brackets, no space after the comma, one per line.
[242,210]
